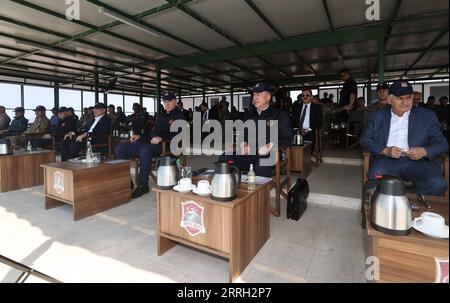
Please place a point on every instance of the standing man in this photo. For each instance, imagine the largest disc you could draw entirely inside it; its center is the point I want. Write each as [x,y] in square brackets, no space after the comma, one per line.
[404,142]
[417,100]
[146,145]
[307,116]
[262,95]
[4,118]
[382,93]
[347,100]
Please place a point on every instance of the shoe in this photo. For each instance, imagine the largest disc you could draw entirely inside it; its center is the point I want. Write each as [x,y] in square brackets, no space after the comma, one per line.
[139,191]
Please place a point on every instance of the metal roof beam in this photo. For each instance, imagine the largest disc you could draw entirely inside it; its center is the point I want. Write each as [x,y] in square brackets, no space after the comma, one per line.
[428,49]
[296,43]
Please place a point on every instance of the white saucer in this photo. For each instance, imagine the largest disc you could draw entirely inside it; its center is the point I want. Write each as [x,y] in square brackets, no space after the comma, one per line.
[441,234]
[184,190]
[200,194]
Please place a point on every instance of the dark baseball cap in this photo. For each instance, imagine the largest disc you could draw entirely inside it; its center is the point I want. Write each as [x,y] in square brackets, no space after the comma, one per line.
[100,105]
[261,87]
[401,88]
[19,109]
[383,85]
[168,96]
[63,109]
[40,108]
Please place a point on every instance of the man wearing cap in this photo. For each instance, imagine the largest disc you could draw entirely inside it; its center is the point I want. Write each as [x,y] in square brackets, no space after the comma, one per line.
[382,93]
[262,95]
[137,121]
[97,131]
[38,127]
[54,119]
[146,145]
[404,140]
[18,125]
[4,118]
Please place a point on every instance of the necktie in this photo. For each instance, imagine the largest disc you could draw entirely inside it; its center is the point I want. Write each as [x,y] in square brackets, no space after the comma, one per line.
[302,118]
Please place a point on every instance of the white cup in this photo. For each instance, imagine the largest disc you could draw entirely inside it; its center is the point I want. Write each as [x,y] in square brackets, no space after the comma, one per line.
[432,221]
[203,187]
[185,184]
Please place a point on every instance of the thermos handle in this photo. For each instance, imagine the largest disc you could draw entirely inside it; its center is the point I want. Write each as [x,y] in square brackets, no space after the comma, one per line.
[238,174]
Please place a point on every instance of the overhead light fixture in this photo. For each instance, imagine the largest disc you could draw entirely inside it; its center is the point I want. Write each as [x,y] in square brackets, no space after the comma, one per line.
[126,20]
[45,47]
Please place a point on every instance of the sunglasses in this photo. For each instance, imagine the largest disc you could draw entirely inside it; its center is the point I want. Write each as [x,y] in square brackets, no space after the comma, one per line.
[306,96]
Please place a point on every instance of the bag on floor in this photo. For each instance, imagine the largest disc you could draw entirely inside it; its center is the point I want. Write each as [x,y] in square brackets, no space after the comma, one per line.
[297,197]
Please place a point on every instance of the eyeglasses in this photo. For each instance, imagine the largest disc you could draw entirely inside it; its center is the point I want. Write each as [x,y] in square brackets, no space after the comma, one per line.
[306,96]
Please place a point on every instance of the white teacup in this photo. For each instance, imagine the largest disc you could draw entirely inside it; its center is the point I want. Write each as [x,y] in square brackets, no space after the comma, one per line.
[203,187]
[432,221]
[185,184]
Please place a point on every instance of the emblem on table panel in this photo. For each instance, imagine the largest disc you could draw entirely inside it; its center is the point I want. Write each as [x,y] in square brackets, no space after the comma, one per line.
[192,218]
[58,184]
[441,271]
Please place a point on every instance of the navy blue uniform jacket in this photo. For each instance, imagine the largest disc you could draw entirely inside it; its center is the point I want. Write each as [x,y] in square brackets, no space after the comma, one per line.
[162,125]
[424,131]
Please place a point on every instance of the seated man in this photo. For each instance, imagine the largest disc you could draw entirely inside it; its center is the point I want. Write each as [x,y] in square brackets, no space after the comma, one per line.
[404,141]
[307,116]
[263,111]
[146,145]
[98,130]
[18,125]
[4,118]
[40,126]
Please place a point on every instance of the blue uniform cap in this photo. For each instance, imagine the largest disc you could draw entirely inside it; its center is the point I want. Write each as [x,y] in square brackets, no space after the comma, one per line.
[401,88]
[169,96]
[262,87]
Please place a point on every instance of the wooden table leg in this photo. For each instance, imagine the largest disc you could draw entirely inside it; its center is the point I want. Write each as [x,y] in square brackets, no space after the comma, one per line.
[52,203]
[164,245]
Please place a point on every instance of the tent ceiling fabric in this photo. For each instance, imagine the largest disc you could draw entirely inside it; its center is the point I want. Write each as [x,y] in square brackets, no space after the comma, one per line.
[204,29]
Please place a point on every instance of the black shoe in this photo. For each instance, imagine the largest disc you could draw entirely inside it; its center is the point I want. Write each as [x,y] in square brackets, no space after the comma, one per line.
[139,191]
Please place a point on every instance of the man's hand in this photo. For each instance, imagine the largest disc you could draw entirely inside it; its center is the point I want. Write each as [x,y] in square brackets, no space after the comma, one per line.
[81,137]
[135,138]
[416,153]
[69,135]
[47,136]
[156,140]
[265,149]
[393,152]
[304,131]
[348,107]
[245,148]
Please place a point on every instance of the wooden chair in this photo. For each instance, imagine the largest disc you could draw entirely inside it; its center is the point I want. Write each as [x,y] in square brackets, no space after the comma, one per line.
[353,129]
[282,186]
[318,147]
[366,160]
[108,144]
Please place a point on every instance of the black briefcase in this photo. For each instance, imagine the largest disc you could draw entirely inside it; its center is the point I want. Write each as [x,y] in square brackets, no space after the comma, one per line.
[297,198]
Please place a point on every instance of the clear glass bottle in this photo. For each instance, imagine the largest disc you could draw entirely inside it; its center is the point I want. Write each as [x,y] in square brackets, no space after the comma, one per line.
[251,178]
[29,147]
[88,150]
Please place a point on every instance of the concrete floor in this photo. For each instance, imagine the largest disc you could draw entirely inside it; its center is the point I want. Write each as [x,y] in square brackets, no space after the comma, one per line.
[119,245]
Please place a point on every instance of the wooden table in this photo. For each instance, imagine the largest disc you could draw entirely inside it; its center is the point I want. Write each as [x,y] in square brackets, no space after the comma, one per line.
[23,169]
[89,188]
[407,258]
[234,230]
[301,159]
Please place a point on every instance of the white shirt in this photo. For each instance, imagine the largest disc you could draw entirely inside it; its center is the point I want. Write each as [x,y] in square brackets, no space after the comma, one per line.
[259,112]
[398,132]
[306,123]
[95,123]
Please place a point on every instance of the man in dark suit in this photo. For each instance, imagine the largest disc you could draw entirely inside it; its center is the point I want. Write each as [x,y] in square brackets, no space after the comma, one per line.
[147,145]
[404,140]
[97,131]
[307,116]
[263,111]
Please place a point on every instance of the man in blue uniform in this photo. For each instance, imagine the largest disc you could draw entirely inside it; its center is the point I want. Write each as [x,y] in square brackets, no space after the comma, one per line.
[146,145]
[404,140]
[263,111]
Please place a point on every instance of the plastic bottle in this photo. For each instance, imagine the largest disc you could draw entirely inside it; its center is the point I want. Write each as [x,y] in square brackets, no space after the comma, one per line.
[29,147]
[88,151]
[251,178]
